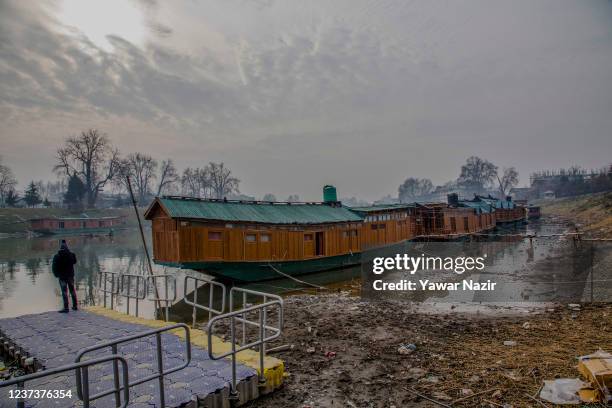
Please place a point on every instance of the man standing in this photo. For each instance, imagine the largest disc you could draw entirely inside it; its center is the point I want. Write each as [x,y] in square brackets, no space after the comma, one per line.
[63,269]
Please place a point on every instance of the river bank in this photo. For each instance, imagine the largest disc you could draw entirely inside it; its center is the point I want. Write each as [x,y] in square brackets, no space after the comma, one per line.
[348,353]
[590,213]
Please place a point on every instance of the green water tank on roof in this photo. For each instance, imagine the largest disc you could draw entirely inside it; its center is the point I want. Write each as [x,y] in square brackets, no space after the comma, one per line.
[329,194]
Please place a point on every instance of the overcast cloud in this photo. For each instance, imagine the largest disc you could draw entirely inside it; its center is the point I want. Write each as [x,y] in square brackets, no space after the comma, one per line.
[296,94]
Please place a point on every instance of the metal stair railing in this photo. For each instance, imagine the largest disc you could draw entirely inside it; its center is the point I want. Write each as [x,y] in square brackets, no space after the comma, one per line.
[126,289]
[81,369]
[211,292]
[161,371]
[114,283]
[241,316]
[167,298]
[121,286]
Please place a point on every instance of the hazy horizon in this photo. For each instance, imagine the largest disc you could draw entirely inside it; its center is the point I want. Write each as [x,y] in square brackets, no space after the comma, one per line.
[295,95]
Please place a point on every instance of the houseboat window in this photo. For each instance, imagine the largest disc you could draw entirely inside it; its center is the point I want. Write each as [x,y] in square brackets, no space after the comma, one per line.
[214,235]
[374,226]
[83,224]
[355,233]
[345,234]
[264,237]
[453,224]
[466,223]
[184,223]
[307,237]
[61,224]
[251,238]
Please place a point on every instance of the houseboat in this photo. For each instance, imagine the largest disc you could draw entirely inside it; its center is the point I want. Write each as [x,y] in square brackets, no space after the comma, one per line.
[76,225]
[256,240]
[253,240]
[506,211]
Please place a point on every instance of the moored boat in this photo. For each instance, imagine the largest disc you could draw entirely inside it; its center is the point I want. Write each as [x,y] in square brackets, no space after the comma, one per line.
[76,225]
[255,240]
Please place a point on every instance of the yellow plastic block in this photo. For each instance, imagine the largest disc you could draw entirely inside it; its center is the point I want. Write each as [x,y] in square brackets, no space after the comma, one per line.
[274,369]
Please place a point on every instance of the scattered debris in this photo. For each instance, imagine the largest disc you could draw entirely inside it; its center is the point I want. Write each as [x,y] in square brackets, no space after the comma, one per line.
[526,325]
[596,369]
[574,307]
[330,354]
[415,373]
[278,349]
[510,343]
[406,348]
[310,350]
[562,390]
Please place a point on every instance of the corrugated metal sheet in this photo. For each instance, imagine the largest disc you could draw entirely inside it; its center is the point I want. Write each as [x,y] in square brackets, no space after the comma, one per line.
[257,212]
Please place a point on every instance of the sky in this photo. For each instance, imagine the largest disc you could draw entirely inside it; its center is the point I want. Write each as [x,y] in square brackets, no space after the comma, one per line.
[294,94]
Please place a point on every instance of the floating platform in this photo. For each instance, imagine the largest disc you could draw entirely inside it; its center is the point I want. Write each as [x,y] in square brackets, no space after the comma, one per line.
[53,339]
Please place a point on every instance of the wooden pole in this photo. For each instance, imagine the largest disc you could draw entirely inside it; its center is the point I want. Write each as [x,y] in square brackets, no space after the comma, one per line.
[144,244]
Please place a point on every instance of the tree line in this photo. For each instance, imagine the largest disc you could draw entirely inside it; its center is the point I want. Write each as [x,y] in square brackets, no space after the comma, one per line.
[477,175]
[90,163]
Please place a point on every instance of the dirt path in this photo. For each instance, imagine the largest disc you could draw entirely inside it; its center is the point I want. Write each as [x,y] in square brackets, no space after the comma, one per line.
[346,354]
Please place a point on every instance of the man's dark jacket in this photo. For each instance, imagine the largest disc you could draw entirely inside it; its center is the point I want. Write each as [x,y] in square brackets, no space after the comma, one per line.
[63,264]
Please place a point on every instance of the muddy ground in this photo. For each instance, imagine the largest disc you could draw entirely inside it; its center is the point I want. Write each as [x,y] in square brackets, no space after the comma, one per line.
[346,353]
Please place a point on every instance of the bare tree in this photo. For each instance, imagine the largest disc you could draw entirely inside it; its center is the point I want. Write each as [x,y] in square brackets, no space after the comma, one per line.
[196,182]
[168,177]
[92,157]
[222,181]
[7,181]
[413,188]
[141,170]
[508,180]
[477,174]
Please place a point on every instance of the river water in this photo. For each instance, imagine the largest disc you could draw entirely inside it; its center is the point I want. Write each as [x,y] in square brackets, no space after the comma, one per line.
[28,286]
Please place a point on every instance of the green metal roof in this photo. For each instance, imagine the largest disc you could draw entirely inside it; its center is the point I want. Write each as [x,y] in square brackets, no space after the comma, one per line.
[480,206]
[258,212]
[382,207]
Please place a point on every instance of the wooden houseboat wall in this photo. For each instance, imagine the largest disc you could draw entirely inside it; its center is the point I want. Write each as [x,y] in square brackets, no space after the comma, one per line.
[184,240]
[386,224]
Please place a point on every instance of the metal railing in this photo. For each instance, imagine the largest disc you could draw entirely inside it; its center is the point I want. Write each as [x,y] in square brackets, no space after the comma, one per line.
[167,298]
[123,284]
[159,375]
[261,324]
[103,286]
[211,291]
[140,286]
[81,369]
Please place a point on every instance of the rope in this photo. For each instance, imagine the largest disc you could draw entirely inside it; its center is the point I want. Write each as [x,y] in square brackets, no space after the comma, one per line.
[296,279]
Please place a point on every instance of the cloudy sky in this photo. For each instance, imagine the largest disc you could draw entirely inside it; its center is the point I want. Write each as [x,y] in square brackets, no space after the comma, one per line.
[296,94]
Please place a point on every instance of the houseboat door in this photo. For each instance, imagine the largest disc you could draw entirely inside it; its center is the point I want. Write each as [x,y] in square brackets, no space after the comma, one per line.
[320,243]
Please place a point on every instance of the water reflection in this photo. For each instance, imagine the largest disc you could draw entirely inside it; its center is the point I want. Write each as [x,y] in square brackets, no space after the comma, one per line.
[27,284]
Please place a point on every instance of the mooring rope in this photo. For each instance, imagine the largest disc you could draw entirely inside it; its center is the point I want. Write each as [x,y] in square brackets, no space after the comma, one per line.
[296,279]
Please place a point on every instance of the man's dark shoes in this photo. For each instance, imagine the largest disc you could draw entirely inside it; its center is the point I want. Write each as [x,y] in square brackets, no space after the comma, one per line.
[75,308]
[63,311]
